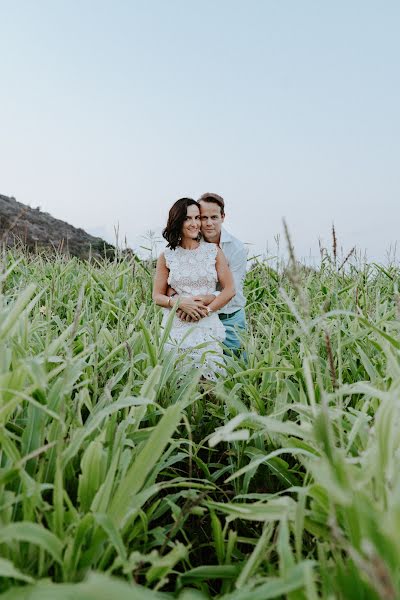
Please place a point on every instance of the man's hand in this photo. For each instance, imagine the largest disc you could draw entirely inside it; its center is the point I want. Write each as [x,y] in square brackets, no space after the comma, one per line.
[206,300]
[200,303]
[195,309]
[184,317]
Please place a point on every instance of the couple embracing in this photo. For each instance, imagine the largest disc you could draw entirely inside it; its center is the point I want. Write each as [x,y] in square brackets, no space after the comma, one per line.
[202,270]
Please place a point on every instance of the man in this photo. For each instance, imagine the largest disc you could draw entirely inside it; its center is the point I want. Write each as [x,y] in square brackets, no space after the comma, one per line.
[212,214]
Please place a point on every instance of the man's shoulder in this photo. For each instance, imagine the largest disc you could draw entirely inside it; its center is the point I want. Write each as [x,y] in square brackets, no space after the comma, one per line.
[228,238]
[231,241]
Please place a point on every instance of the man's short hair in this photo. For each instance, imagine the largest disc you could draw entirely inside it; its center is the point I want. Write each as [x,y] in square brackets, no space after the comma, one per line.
[215,198]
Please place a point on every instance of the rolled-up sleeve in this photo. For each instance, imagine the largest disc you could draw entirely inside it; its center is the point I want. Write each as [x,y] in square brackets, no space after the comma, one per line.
[237,264]
[236,255]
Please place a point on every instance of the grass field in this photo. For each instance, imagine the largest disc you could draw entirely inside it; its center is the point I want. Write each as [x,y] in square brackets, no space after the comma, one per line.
[120,480]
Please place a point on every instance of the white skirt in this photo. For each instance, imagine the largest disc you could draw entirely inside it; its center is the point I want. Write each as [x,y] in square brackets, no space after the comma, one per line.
[199,342]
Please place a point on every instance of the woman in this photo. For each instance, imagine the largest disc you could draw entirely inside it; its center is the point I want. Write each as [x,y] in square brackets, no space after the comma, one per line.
[192,268]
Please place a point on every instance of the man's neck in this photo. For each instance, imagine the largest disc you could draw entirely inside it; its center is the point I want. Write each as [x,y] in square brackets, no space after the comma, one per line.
[214,240]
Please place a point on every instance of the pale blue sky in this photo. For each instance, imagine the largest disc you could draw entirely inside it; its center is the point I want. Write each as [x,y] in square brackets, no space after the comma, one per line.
[109,111]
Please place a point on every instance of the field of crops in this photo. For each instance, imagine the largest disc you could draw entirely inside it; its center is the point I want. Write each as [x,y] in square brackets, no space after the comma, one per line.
[118,479]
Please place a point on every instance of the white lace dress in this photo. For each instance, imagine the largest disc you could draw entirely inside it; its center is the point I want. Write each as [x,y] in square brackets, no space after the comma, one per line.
[193,273]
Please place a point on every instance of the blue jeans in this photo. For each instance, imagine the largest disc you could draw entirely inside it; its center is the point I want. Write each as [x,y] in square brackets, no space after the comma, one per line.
[233,323]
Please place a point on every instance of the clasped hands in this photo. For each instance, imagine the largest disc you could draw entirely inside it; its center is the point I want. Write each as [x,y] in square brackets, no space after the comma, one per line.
[191,308]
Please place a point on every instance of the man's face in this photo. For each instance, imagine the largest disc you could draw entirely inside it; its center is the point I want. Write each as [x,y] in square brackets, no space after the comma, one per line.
[211,221]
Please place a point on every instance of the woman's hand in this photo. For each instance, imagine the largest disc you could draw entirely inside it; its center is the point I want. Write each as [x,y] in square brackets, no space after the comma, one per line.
[192,308]
[195,309]
[204,300]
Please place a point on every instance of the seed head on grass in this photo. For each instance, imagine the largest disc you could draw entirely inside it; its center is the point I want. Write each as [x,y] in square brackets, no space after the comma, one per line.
[331,361]
[322,250]
[334,243]
[293,272]
[350,254]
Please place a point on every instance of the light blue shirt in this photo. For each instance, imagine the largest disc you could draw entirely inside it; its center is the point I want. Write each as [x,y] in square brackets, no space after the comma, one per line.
[236,256]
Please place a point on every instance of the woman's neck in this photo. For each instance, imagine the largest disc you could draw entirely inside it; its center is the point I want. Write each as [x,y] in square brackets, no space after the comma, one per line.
[189,243]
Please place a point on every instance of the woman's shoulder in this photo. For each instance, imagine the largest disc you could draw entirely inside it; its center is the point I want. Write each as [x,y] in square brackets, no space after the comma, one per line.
[170,254]
[209,249]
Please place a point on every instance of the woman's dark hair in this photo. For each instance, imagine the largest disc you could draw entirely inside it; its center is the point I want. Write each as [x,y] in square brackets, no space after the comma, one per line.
[176,217]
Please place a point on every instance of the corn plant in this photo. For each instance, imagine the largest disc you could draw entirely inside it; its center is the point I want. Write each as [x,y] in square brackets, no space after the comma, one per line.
[118,475]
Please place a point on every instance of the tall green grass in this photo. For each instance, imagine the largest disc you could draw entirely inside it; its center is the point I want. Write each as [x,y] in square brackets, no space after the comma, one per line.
[118,477]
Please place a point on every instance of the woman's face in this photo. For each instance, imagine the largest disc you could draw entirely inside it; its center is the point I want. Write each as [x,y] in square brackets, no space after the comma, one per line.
[191,225]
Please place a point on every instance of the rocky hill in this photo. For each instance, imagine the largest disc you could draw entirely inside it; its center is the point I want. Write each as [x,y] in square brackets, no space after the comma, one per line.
[35,230]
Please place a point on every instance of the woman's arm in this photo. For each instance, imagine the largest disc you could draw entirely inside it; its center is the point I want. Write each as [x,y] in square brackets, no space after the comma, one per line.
[160,283]
[188,305]
[226,282]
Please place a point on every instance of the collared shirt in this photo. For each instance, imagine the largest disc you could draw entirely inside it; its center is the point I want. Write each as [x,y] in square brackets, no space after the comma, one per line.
[236,256]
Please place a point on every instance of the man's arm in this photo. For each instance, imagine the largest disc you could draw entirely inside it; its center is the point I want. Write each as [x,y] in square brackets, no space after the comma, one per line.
[207,299]
[226,282]
[204,300]
[237,265]
[201,300]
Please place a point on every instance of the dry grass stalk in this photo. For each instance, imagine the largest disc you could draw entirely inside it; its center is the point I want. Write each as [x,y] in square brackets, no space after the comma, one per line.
[320,247]
[347,258]
[331,361]
[289,243]
[334,243]
[357,299]
[293,272]
[129,351]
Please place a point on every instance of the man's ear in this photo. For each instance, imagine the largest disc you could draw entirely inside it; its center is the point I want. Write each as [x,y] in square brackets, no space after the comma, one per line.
[223,217]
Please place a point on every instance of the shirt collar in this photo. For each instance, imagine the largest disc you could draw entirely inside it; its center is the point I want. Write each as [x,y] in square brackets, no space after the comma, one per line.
[225,236]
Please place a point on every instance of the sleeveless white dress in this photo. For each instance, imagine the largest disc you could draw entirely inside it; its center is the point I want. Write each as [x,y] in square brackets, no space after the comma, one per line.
[193,273]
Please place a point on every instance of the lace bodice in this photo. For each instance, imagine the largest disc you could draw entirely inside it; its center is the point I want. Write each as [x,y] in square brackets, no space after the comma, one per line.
[192,272]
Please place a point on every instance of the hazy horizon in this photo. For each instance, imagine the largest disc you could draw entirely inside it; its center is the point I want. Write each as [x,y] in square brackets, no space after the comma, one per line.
[112,111]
